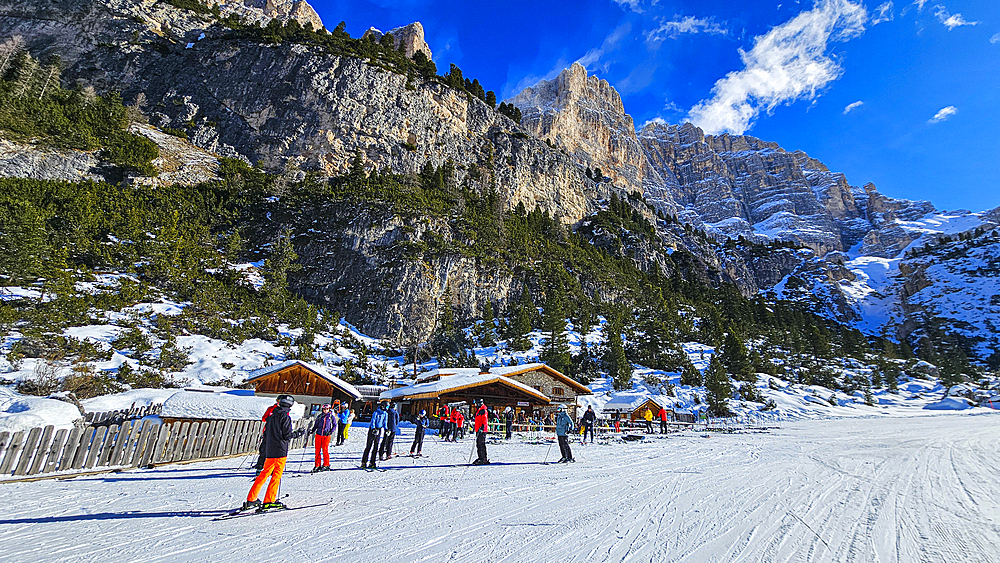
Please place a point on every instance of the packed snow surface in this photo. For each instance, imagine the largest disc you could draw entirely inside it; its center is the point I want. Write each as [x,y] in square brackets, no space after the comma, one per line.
[918,488]
[235,405]
[20,412]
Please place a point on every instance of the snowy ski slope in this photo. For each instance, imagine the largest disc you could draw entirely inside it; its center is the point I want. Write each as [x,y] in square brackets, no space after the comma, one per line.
[919,488]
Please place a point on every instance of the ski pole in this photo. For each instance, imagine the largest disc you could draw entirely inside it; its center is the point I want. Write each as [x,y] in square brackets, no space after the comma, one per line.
[471,451]
[547,454]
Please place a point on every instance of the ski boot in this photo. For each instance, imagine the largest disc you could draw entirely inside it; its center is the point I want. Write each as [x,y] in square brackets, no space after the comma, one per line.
[250,505]
[276,505]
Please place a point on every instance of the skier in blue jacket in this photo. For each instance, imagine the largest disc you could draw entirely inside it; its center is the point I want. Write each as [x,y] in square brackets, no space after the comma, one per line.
[564,425]
[392,423]
[376,428]
[342,418]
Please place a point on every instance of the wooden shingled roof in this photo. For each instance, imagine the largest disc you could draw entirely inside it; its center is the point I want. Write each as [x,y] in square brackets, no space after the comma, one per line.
[316,375]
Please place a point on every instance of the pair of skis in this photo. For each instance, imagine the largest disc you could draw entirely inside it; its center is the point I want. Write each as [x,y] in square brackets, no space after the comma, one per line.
[240,513]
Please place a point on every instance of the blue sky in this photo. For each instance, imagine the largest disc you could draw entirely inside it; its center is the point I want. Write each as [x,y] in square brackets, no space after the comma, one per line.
[902,94]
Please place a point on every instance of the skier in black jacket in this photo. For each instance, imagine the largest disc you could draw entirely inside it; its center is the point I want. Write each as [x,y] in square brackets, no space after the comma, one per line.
[588,424]
[277,434]
[418,435]
[508,419]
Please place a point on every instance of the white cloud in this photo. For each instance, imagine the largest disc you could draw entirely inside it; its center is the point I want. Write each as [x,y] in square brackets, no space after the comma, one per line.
[883,14]
[853,106]
[789,63]
[995,38]
[951,21]
[943,113]
[920,4]
[634,5]
[591,59]
[687,24]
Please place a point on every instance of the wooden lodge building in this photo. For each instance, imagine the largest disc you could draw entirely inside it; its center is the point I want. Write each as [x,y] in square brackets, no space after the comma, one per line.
[310,384]
[531,388]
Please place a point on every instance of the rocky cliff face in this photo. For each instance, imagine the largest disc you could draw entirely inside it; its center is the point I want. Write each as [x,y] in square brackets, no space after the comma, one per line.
[584,116]
[291,107]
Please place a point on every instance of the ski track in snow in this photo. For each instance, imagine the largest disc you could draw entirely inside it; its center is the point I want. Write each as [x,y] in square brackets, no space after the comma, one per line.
[869,489]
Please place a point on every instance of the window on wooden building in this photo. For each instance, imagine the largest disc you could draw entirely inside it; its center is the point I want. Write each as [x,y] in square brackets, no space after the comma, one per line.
[557,390]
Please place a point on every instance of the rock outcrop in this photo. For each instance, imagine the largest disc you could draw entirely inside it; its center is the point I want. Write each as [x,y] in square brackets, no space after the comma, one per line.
[410,36]
[19,160]
[179,162]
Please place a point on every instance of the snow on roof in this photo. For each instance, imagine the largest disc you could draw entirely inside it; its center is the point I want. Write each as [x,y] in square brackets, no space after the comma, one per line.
[499,370]
[470,378]
[207,404]
[318,369]
[632,401]
[504,371]
[19,412]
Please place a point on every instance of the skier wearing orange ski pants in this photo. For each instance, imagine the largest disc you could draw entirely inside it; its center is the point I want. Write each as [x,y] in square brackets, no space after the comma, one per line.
[277,434]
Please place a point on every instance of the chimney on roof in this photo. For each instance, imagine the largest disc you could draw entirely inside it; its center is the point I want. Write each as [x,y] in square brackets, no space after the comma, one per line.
[484,368]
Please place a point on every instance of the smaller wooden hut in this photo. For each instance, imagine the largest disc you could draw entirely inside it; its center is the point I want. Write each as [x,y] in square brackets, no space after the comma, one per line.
[310,384]
[633,407]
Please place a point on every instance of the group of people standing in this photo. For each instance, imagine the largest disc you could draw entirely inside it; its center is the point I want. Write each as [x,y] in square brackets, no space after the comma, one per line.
[452,423]
[381,435]
[662,415]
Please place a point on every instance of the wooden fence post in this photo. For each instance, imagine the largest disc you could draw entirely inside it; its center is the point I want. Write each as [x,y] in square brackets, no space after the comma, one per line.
[109,443]
[16,441]
[95,446]
[140,444]
[80,458]
[52,459]
[28,451]
[4,440]
[121,439]
[154,444]
[162,451]
[69,449]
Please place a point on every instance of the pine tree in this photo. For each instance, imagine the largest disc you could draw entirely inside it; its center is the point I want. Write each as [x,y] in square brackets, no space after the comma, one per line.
[718,386]
[9,50]
[614,360]
[277,266]
[555,353]
[447,341]
[491,99]
[357,170]
[690,375]
[523,315]
[50,75]
[25,76]
[735,358]
[424,65]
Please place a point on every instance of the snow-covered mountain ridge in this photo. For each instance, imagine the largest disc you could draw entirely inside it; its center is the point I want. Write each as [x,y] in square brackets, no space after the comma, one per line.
[738,186]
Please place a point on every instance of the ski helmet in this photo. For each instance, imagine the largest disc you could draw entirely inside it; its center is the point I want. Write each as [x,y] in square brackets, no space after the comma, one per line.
[286,400]
[562,407]
[423,412]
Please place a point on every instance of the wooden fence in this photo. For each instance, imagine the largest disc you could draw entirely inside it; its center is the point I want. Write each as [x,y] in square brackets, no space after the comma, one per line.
[119,416]
[136,443]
